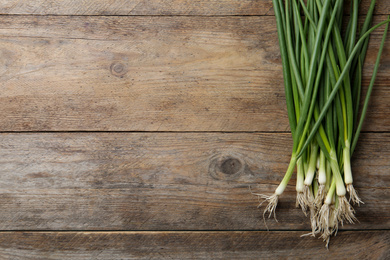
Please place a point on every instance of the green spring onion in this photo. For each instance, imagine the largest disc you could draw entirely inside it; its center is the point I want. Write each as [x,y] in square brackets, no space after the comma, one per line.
[322,71]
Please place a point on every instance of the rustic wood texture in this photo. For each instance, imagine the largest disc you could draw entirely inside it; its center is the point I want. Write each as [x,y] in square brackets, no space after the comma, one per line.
[204,79]
[166,181]
[192,245]
[152,74]
[152,7]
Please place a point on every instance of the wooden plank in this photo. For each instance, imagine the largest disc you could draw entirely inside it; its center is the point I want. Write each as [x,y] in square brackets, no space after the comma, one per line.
[166,181]
[192,245]
[138,7]
[151,74]
[152,7]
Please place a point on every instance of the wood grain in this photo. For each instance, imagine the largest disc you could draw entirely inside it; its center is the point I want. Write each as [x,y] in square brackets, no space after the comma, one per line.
[166,181]
[163,65]
[191,245]
[152,7]
[61,73]
[138,7]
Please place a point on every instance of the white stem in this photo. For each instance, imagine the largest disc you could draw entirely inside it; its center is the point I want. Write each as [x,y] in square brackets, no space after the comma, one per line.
[347,164]
[300,176]
[329,196]
[318,162]
[280,189]
[290,170]
[328,175]
[328,200]
[322,169]
[340,187]
[312,165]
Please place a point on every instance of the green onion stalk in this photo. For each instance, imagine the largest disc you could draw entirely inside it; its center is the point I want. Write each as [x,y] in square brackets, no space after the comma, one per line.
[322,71]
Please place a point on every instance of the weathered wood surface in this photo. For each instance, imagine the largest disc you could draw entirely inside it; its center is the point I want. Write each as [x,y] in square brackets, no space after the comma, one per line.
[166,181]
[152,7]
[152,74]
[130,66]
[192,245]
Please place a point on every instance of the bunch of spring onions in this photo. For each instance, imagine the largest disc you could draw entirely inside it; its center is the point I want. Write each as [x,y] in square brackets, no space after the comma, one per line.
[322,69]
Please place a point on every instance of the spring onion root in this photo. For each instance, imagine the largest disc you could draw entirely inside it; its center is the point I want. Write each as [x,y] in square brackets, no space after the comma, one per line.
[322,71]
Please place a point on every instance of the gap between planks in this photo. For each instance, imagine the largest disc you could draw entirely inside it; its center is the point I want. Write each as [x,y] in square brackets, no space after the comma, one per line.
[182,231]
[162,132]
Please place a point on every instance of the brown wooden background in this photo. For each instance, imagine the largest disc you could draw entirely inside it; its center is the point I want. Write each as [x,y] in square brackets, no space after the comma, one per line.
[133,129]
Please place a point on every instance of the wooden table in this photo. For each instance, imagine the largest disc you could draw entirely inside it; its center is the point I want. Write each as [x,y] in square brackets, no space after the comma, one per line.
[133,129]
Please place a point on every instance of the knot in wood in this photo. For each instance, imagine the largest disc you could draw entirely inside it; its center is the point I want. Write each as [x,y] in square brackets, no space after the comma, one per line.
[118,69]
[230,166]
[226,167]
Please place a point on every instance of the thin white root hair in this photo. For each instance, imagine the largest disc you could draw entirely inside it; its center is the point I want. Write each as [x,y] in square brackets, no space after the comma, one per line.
[305,199]
[323,220]
[319,200]
[301,202]
[307,234]
[345,211]
[353,195]
[333,220]
[271,207]
[326,238]
[308,196]
[313,222]
[329,224]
